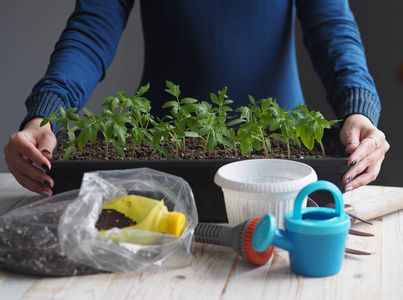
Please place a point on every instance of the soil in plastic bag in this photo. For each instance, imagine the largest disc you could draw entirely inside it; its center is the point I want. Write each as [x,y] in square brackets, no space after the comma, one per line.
[29,240]
[58,236]
[110,218]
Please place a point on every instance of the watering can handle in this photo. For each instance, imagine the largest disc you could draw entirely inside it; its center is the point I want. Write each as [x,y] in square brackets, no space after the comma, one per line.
[315,186]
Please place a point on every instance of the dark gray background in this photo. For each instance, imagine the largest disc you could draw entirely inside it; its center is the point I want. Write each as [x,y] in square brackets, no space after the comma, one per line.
[29,30]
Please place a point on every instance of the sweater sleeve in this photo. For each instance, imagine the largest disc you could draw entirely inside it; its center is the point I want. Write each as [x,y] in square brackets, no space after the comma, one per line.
[333,41]
[80,58]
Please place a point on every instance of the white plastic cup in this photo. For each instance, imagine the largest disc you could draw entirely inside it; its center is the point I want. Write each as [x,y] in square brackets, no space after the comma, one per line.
[256,187]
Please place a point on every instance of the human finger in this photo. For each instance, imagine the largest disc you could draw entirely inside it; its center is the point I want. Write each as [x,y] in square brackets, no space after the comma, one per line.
[20,145]
[42,184]
[364,177]
[369,165]
[371,141]
[23,158]
[44,141]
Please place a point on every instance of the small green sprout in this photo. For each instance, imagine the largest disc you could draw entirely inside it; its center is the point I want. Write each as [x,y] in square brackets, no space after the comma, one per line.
[64,119]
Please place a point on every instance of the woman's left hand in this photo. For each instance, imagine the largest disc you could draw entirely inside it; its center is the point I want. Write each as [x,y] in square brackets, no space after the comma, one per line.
[367,146]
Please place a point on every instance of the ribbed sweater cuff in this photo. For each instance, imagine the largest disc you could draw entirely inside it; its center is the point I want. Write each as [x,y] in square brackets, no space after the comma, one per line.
[41,105]
[358,101]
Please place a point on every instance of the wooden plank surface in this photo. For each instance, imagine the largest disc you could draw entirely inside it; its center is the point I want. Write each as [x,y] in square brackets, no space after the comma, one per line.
[392,257]
[14,286]
[218,273]
[12,194]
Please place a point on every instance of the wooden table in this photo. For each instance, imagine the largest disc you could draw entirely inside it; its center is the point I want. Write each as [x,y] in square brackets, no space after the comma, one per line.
[218,273]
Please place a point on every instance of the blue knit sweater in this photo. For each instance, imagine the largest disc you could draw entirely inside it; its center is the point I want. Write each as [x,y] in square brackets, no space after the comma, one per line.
[203,46]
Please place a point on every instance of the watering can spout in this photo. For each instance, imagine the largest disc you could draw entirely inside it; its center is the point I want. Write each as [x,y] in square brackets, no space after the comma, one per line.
[266,233]
[282,240]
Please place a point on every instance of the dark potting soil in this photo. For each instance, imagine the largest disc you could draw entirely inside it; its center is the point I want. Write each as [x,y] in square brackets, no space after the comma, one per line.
[30,246]
[194,150]
[110,218]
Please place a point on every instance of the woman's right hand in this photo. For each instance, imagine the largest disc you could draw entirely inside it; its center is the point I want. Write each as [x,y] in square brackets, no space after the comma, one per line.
[27,148]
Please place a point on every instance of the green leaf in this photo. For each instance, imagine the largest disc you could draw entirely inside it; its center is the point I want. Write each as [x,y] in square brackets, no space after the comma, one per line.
[227,102]
[143,89]
[296,141]
[106,113]
[117,147]
[214,98]
[92,133]
[227,143]
[163,152]
[187,100]
[87,112]
[252,100]
[192,122]
[279,137]
[180,128]
[71,135]
[318,131]
[205,130]
[109,128]
[225,108]
[307,138]
[288,129]
[125,118]
[62,112]
[332,122]
[81,123]
[121,134]
[190,108]
[222,94]
[70,113]
[221,129]
[173,89]
[46,120]
[148,137]
[266,103]
[125,102]
[68,152]
[191,134]
[256,144]
[268,144]
[107,101]
[65,123]
[82,138]
[113,104]
[170,104]
[246,147]
[212,141]
[74,117]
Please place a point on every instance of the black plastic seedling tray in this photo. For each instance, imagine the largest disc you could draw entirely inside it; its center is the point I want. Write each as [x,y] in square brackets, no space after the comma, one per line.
[198,173]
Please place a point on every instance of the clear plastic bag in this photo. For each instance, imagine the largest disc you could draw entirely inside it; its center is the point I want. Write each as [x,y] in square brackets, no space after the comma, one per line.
[57,236]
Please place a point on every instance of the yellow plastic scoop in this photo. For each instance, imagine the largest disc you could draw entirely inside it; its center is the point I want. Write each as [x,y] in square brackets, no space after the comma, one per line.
[149,214]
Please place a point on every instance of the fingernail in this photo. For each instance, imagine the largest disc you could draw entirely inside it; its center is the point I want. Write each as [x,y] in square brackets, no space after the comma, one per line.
[47,184]
[353,163]
[45,167]
[46,194]
[348,180]
[349,189]
[45,150]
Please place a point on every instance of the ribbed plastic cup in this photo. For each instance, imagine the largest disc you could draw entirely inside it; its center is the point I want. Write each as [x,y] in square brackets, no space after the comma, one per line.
[255,187]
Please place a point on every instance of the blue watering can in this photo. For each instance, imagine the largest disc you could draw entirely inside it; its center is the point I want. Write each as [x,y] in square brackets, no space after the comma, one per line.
[315,237]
